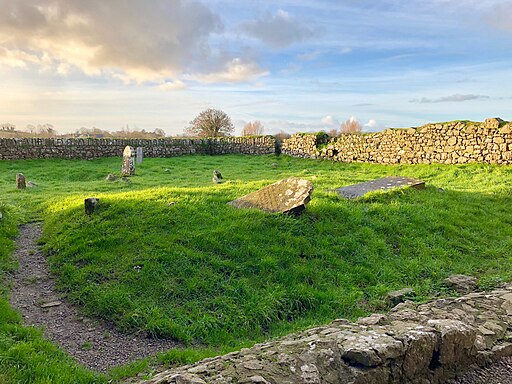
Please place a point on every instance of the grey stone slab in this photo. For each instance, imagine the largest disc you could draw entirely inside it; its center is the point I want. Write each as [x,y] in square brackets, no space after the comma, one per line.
[286,196]
[383,184]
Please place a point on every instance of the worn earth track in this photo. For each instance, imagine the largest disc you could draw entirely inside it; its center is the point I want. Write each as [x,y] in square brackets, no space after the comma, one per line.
[92,343]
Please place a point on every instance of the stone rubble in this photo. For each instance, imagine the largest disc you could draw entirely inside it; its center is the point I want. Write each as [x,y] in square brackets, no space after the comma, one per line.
[413,343]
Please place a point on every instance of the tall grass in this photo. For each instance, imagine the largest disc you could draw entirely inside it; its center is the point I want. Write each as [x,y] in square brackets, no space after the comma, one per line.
[165,255]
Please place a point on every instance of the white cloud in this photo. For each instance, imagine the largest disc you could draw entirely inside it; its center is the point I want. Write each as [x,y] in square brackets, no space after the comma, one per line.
[331,122]
[278,31]
[373,126]
[172,85]
[235,71]
[122,39]
[448,99]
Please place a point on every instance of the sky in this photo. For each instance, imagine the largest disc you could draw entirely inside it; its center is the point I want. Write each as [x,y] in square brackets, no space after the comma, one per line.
[294,65]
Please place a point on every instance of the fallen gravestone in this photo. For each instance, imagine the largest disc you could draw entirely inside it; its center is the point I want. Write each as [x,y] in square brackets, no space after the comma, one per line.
[31,184]
[140,154]
[384,184]
[128,168]
[217,177]
[286,196]
[20,181]
[90,204]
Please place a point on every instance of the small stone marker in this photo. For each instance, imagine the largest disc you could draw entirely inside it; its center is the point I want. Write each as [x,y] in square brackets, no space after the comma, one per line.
[128,168]
[140,154]
[111,177]
[217,177]
[286,196]
[384,184]
[90,204]
[51,304]
[20,181]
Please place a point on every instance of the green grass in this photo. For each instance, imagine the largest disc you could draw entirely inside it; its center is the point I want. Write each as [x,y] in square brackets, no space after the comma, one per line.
[216,278]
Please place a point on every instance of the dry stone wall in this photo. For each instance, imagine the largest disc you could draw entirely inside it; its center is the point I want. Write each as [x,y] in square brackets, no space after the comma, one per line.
[449,143]
[415,344]
[13,149]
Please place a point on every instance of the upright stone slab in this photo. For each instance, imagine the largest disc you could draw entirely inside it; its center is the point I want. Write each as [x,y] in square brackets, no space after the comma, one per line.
[140,154]
[20,181]
[217,177]
[128,168]
[384,184]
[286,196]
[90,204]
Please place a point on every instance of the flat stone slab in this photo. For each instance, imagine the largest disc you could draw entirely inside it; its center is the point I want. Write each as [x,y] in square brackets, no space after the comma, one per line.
[286,196]
[384,184]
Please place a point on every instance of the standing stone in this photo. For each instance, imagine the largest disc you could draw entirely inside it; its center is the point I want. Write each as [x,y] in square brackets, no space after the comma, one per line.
[286,196]
[20,181]
[128,168]
[217,177]
[90,204]
[140,154]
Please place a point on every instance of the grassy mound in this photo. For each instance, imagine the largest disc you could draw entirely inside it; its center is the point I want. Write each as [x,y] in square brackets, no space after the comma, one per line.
[198,270]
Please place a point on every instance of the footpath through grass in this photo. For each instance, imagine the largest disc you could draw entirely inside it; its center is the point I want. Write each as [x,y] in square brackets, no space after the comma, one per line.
[166,255]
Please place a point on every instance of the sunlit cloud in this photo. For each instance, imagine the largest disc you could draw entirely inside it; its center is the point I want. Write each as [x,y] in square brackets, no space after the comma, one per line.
[124,40]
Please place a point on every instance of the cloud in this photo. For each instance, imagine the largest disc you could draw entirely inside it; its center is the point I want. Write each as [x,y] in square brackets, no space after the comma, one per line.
[449,99]
[500,17]
[235,71]
[172,85]
[373,126]
[309,56]
[278,31]
[122,39]
[331,121]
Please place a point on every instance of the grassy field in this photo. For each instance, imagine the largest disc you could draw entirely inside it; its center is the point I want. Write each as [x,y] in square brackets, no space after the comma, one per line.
[165,255]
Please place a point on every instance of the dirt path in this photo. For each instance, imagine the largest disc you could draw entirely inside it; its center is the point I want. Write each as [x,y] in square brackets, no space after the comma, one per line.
[91,342]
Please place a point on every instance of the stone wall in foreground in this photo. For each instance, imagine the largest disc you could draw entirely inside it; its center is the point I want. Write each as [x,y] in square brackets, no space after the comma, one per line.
[14,149]
[415,344]
[449,143]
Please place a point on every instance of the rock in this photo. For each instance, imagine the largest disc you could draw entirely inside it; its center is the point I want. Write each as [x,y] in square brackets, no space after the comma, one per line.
[51,304]
[128,167]
[397,297]
[275,165]
[111,177]
[90,204]
[384,184]
[217,177]
[461,283]
[493,122]
[286,196]
[20,181]
[373,319]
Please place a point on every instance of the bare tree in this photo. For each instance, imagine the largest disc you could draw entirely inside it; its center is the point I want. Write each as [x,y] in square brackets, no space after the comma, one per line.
[211,123]
[253,129]
[352,125]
